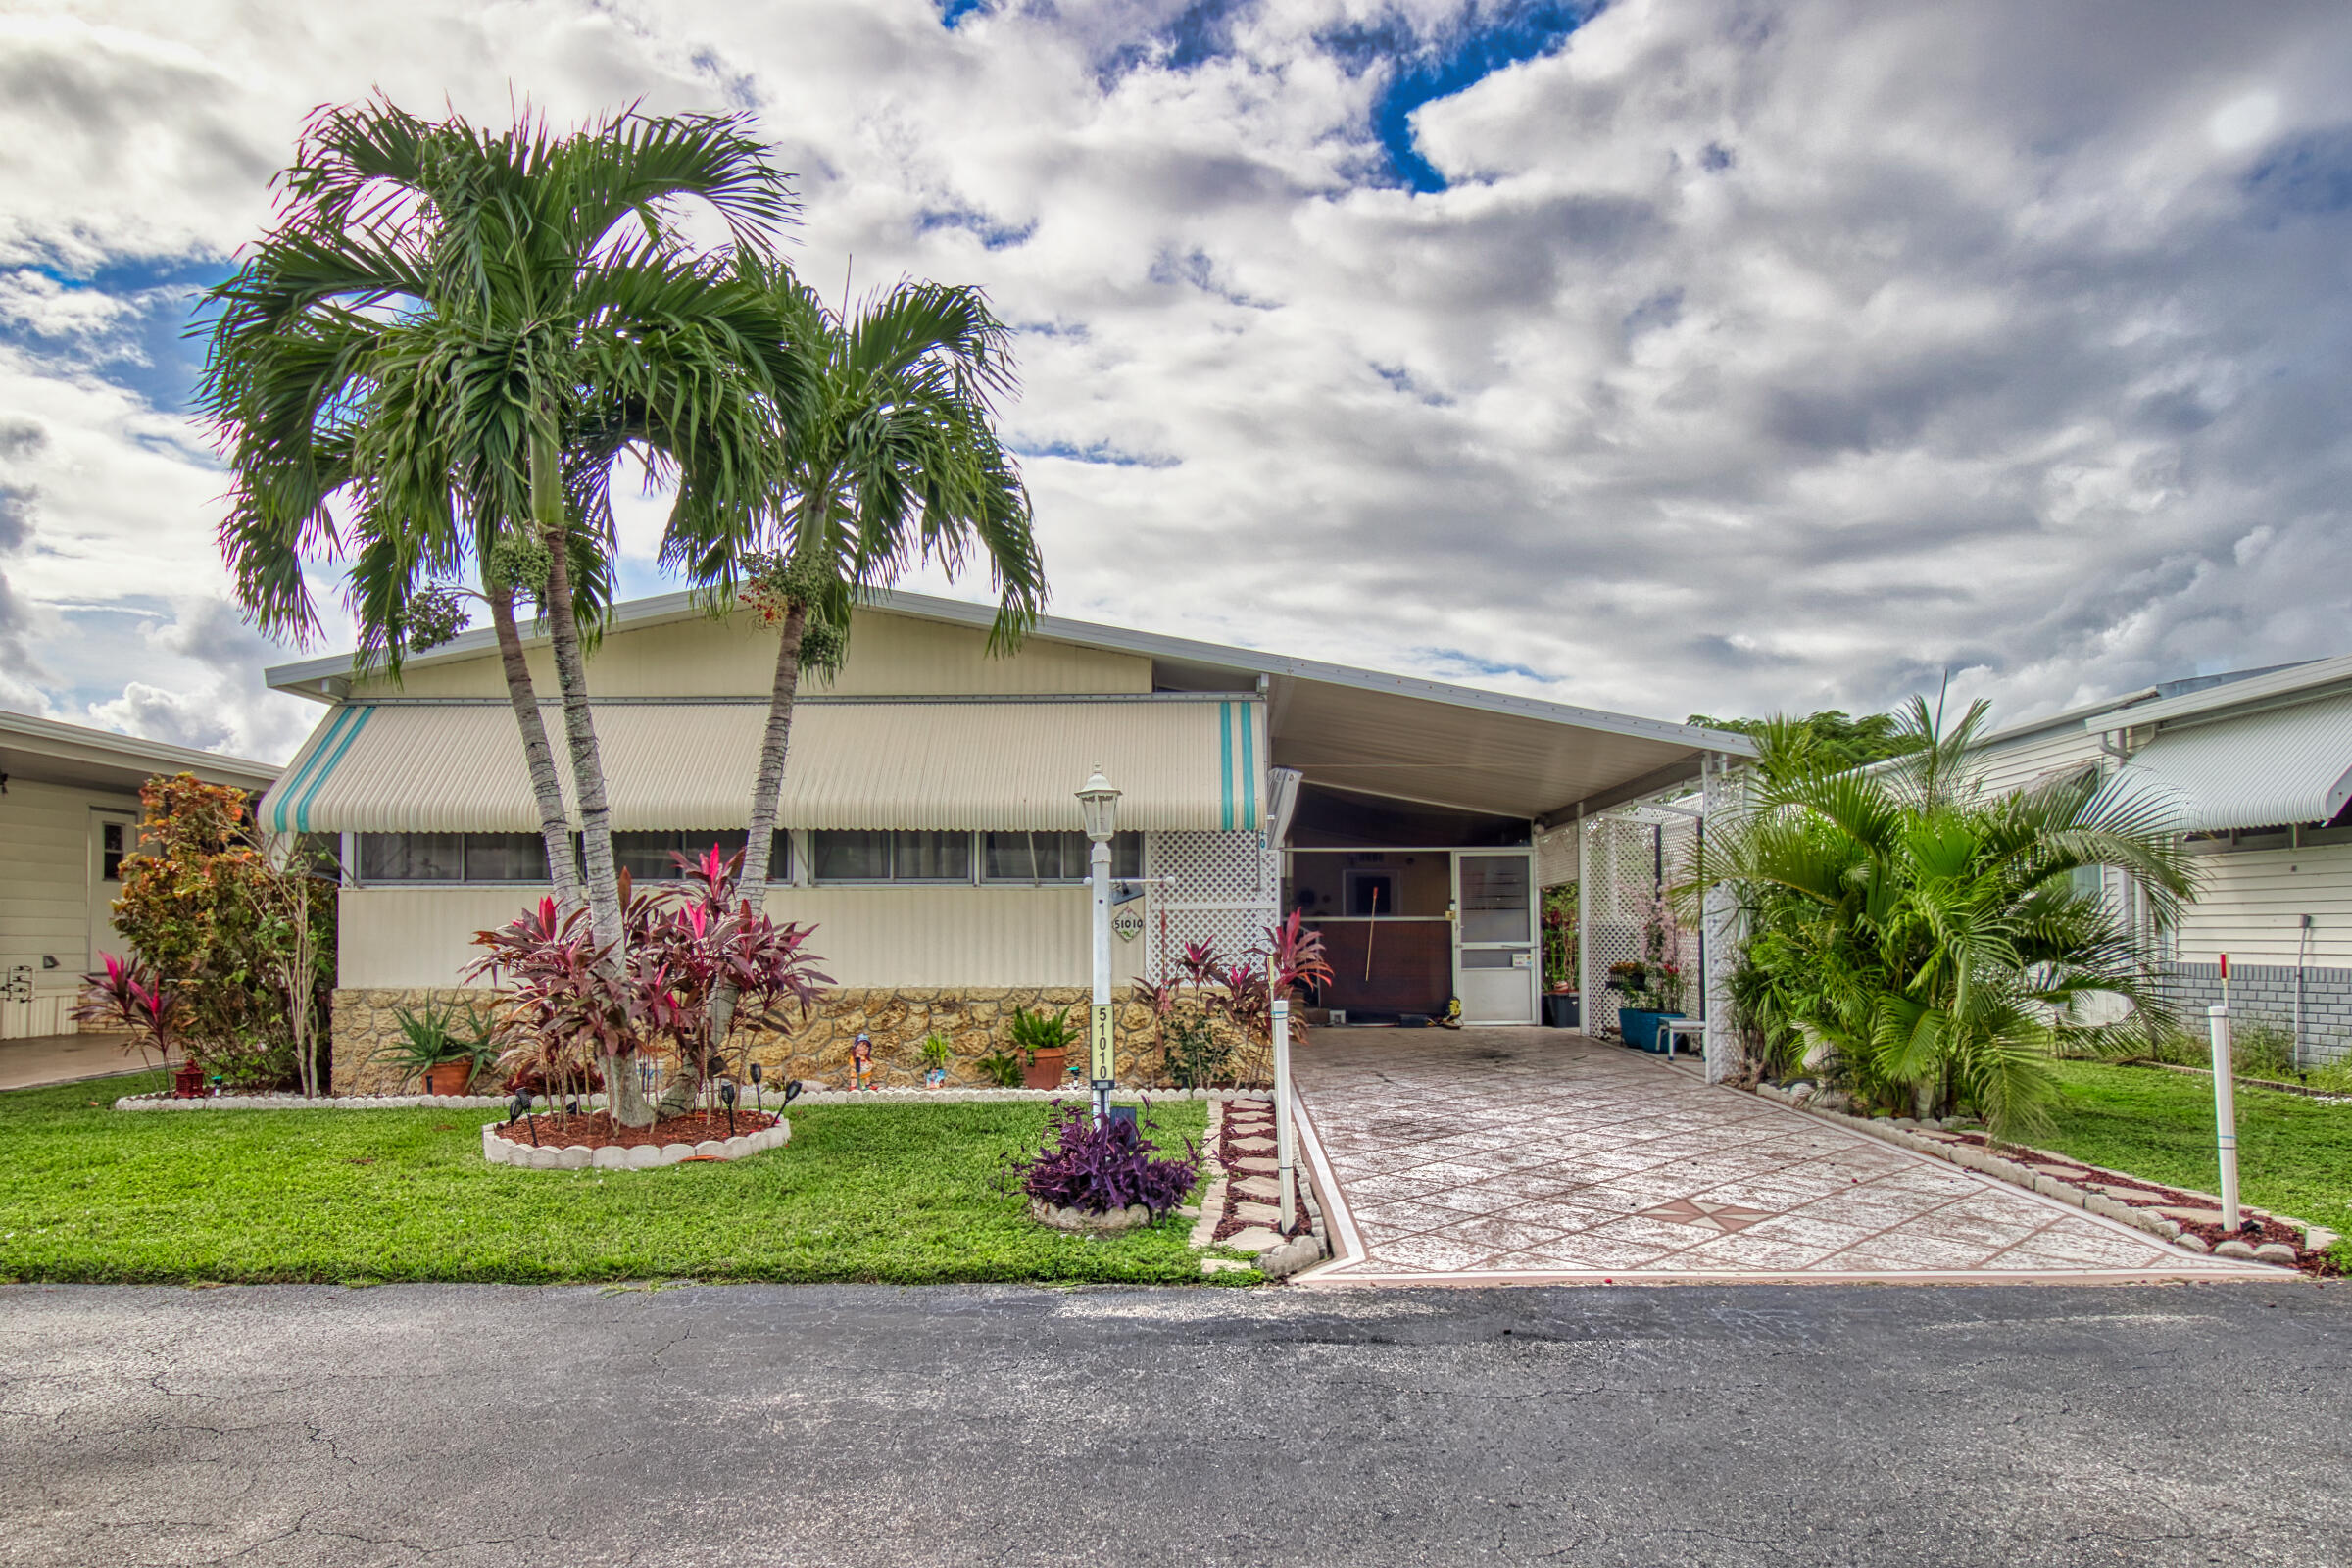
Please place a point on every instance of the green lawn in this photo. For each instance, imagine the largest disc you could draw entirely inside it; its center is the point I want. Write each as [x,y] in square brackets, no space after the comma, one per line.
[892,1194]
[2294,1155]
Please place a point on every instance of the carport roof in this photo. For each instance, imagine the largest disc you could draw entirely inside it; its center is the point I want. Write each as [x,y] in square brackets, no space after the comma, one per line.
[1339,725]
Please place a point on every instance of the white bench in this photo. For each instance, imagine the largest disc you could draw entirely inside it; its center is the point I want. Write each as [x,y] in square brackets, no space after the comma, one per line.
[1693,1030]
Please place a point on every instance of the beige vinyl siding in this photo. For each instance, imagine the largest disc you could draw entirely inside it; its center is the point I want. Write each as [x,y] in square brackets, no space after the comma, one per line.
[45,895]
[888,655]
[2013,766]
[2249,903]
[881,936]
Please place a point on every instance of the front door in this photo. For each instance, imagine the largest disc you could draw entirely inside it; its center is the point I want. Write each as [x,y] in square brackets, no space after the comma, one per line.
[112,835]
[1494,967]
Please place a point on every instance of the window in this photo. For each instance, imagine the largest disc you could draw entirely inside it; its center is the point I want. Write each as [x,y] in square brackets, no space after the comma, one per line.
[878,856]
[505,858]
[931,856]
[111,850]
[853,857]
[1058,857]
[646,857]
[412,856]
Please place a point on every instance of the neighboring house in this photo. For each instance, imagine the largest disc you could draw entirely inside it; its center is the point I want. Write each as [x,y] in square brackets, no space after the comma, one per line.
[2254,770]
[930,820]
[69,813]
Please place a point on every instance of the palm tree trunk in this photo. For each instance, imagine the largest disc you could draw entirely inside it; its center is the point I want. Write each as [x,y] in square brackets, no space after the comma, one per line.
[554,827]
[624,1095]
[775,745]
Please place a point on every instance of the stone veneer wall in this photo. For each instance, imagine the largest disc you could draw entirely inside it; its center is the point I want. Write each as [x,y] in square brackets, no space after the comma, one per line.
[2267,991]
[977,1020]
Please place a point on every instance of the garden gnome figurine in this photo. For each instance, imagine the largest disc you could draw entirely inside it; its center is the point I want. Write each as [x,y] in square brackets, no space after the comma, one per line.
[862,1061]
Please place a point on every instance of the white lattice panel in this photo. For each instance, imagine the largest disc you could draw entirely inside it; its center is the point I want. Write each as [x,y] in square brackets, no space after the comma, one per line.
[1625,865]
[1218,888]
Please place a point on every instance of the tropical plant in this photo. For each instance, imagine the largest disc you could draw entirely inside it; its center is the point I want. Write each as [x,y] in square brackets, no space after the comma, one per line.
[438,1035]
[1099,1167]
[238,933]
[1210,1011]
[567,1007]
[893,459]
[436,357]
[1032,1032]
[1191,1051]
[1002,1069]
[937,1052]
[1822,742]
[1560,937]
[1936,941]
[134,999]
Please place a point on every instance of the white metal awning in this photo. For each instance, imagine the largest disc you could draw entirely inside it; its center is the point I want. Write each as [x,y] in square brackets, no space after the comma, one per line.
[1007,764]
[2280,766]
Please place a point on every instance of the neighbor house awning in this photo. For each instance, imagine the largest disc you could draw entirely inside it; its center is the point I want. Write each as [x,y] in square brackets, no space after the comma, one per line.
[2280,766]
[1012,765]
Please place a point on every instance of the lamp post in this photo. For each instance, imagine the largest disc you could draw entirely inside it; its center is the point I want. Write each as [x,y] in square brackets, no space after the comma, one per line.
[1099,807]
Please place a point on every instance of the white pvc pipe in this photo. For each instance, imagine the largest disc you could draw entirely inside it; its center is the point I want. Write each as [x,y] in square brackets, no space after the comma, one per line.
[2225,1113]
[1285,1137]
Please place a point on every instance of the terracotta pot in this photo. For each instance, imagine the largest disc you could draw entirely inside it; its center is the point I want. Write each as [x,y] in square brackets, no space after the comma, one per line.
[448,1077]
[187,1080]
[1045,1070]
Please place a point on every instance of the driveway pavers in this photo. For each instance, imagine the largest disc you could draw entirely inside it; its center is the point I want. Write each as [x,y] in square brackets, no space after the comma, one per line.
[1536,1154]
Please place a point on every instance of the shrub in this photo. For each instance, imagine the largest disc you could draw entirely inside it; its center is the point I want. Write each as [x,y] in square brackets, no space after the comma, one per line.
[1002,1069]
[244,938]
[1098,1167]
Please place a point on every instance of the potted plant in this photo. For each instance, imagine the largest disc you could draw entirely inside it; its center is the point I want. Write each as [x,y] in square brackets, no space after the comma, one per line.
[1044,1046]
[936,1054]
[439,1049]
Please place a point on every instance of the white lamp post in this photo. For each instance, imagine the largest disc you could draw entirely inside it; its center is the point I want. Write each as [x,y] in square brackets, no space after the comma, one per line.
[1099,807]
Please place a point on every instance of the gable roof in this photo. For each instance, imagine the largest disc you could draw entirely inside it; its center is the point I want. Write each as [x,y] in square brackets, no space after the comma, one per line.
[74,753]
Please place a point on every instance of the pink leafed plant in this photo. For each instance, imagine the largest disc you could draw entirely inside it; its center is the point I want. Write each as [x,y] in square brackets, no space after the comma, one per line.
[133,997]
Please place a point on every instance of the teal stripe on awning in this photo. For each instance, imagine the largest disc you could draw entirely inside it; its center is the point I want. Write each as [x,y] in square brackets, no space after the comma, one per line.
[293,782]
[1225,759]
[302,813]
[1248,780]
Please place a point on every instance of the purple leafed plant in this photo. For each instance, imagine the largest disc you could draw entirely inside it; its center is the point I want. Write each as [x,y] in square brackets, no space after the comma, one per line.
[1097,1169]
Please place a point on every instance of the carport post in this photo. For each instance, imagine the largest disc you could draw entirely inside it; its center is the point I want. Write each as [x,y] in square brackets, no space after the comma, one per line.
[2225,1113]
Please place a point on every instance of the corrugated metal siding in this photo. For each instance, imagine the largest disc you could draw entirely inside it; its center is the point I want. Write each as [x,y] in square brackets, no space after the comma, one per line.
[2282,765]
[1005,766]
[950,936]
[2011,768]
[888,655]
[2251,903]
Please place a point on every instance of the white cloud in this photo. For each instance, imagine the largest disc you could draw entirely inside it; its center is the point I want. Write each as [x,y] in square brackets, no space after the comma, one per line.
[1757,356]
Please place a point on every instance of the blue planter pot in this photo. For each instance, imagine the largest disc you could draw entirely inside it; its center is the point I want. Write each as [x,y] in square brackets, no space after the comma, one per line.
[1639,1027]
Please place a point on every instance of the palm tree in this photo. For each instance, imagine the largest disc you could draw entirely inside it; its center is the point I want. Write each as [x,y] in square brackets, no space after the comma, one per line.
[893,459]
[1940,940]
[433,357]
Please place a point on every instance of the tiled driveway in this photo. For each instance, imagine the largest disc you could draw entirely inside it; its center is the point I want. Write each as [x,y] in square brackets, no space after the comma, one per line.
[1539,1154]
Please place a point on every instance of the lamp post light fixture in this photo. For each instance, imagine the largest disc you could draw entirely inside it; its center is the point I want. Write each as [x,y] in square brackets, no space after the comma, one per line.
[1098,809]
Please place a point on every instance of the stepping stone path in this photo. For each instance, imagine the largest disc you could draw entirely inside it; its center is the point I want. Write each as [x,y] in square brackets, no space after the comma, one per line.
[1242,1211]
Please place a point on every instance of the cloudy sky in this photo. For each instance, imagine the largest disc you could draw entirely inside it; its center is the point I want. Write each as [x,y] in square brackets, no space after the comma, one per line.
[1660,356]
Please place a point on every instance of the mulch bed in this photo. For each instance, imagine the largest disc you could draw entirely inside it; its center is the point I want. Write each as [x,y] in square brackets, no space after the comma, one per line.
[2143,1194]
[1254,1122]
[598,1130]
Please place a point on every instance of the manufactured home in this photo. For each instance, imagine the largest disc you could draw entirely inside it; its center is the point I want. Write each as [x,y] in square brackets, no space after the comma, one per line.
[930,824]
[2254,771]
[69,813]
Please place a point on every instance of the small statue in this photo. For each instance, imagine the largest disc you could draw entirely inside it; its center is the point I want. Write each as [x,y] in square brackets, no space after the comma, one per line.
[861,1062]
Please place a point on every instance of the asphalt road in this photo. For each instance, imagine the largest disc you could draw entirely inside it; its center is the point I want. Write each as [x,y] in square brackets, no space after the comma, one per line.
[1821,1424]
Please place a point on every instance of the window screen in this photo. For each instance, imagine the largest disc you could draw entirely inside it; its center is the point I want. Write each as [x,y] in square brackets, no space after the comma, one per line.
[505,858]
[412,856]
[1060,857]
[851,857]
[931,856]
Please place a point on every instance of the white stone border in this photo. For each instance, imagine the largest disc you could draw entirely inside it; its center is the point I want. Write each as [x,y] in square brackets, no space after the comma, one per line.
[596,1102]
[644,1156]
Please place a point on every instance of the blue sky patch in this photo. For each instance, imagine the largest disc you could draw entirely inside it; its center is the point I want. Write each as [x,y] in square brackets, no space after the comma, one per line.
[1101,452]
[1457,662]
[1423,70]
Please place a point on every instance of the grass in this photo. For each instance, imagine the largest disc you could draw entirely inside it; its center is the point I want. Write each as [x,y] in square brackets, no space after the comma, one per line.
[2294,1155]
[890,1194]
